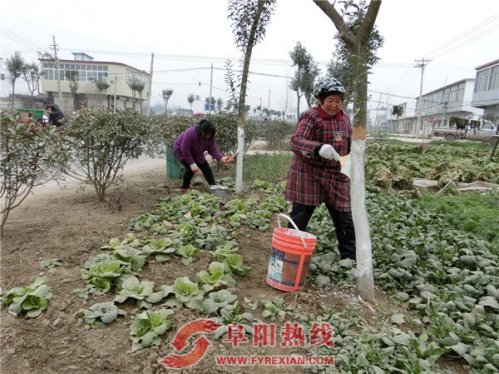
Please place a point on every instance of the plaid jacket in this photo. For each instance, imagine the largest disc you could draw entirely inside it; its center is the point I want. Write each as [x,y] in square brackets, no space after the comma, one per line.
[313,180]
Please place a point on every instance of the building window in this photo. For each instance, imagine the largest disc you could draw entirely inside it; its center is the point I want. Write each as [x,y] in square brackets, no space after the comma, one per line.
[86,72]
[494,78]
[481,80]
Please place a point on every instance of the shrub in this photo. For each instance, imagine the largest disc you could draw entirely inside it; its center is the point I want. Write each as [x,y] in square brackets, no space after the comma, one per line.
[30,156]
[100,143]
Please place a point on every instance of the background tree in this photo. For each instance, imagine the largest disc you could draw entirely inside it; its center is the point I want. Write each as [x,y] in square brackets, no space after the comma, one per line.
[15,66]
[306,72]
[397,111]
[233,85]
[220,104]
[355,36]
[166,94]
[190,100]
[136,85]
[101,85]
[210,101]
[72,77]
[249,20]
[31,75]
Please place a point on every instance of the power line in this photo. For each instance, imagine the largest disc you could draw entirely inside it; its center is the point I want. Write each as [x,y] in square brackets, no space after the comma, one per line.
[458,41]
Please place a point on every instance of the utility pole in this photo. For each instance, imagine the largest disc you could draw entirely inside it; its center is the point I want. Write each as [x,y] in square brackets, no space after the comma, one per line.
[268,104]
[421,64]
[114,99]
[150,86]
[211,89]
[58,66]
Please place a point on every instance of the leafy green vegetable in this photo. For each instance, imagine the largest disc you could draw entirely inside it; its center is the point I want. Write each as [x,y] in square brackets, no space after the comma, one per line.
[218,300]
[100,315]
[215,277]
[132,288]
[29,300]
[148,326]
[234,263]
[188,252]
[50,263]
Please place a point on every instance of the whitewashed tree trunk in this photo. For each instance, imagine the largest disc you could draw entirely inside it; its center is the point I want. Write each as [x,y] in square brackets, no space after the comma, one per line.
[239,161]
[365,278]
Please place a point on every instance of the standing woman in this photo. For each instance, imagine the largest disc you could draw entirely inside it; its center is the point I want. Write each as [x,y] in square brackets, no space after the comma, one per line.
[190,148]
[323,134]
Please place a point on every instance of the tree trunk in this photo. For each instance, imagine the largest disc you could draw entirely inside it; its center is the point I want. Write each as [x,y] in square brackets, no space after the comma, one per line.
[241,112]
[357,45]
[365,277]
[297,104]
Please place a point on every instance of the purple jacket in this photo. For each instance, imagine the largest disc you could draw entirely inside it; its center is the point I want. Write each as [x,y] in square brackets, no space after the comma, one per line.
[190,147]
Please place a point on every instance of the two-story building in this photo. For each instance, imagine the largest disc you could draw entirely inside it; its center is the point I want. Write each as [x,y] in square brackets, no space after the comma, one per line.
[435,108]
[486,93]
[93,84]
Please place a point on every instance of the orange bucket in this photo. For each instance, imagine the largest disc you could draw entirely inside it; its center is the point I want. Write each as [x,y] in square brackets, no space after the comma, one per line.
[290,257]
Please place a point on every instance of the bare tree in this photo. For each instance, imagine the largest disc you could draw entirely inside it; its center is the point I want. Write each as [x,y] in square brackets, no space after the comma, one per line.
[31,75]
[15,66]
[357,42]
[249,20]
[72,77]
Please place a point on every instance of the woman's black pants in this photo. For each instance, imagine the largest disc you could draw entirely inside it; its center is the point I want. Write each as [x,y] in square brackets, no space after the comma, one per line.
[205,169]
[343,224]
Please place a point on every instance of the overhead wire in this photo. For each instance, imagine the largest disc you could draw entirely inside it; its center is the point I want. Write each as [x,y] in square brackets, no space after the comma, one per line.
[458,41]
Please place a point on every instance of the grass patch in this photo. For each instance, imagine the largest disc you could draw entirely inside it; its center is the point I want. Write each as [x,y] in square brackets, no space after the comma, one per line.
[268,167]
[474,212]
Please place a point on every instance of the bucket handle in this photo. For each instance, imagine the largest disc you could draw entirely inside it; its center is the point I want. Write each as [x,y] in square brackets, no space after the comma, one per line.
[294,225]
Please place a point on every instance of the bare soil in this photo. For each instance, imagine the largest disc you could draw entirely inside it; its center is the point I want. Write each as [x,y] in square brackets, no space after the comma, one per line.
[68,223]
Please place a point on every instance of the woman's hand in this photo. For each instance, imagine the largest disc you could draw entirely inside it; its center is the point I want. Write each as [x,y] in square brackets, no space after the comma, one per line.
[328,152]
[227,159]
[194,168]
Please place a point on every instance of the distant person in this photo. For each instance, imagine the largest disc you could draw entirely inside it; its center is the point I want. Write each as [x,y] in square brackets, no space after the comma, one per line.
[56,116]
[322,135]
[190,148]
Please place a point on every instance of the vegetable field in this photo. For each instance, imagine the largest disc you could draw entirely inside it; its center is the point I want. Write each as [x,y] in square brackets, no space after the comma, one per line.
[92,287]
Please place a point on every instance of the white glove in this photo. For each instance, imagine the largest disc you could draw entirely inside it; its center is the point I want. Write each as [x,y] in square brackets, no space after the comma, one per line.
[194,168]
[328,152]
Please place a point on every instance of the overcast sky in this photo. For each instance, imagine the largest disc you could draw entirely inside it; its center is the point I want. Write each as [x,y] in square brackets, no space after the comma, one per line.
[457,35]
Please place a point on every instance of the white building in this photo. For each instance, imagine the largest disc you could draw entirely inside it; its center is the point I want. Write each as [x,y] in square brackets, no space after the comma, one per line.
[436,107]
[486,93]
[97,83]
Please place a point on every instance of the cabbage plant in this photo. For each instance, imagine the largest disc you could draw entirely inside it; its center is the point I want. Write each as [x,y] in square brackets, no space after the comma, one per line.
[148,326]
[131,255]
[132,288]
[215,277]
[218,300]
[100,315]
[234,262]
[30,300]
[188,252]
[101,275]
[159,248]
